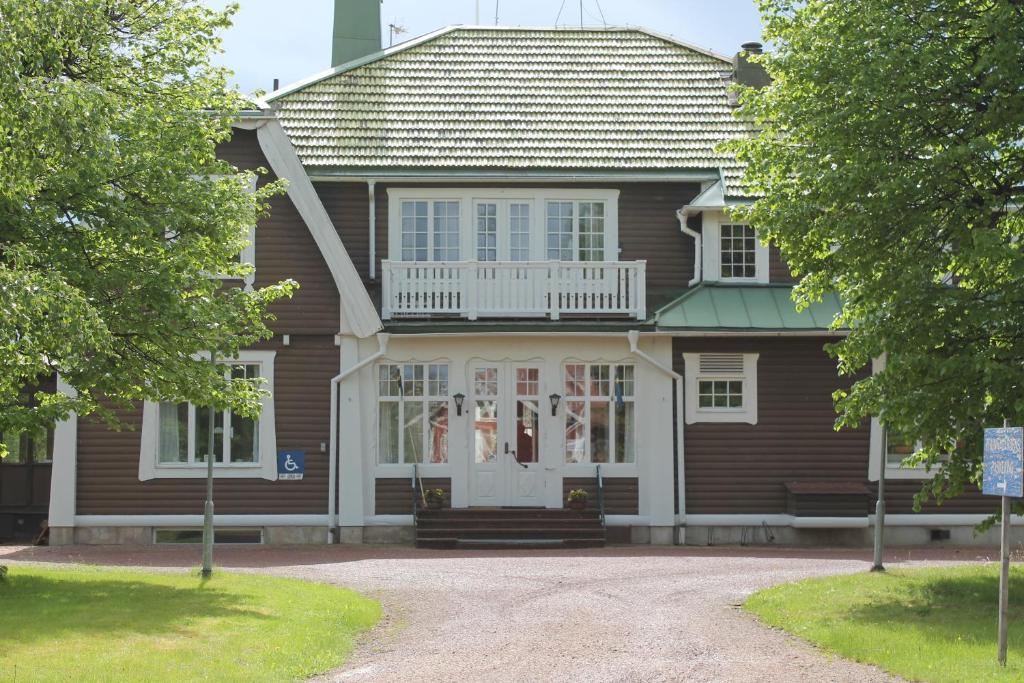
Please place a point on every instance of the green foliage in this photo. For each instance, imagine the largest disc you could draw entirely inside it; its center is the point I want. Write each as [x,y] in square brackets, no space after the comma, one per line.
[936,624]
[578,494]
[890,162]
[126,625]
[114,209]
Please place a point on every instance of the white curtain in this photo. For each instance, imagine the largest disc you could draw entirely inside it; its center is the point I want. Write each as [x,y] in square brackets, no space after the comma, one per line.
[170,429]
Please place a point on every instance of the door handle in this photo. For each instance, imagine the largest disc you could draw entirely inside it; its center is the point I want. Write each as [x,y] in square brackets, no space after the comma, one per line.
[512,452]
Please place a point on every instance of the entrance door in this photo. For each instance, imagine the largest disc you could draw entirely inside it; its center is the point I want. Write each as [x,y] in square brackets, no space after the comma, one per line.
[505,460]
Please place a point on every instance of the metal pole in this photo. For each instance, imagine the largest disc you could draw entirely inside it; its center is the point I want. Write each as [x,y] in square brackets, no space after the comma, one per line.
[877,566]
[1004,572]
[208,507]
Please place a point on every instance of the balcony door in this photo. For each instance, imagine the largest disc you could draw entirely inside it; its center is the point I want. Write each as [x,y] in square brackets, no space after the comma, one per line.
[505,467]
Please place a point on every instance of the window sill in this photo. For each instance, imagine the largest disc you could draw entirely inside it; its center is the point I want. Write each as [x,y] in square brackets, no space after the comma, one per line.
[247,471]
[722,417]
[908,473]
[391,470]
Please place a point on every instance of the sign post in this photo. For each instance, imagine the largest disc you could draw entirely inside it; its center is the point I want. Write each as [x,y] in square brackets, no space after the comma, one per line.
[1004,477]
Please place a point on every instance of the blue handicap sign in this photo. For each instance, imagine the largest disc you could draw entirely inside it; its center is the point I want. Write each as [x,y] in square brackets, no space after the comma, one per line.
[1004,462]
[291,464]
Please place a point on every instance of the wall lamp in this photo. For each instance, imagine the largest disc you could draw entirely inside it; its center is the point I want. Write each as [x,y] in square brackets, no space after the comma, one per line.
[554,398]
[459,398]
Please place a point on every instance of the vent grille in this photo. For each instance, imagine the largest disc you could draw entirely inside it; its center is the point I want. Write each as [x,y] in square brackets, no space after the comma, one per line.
[721,363]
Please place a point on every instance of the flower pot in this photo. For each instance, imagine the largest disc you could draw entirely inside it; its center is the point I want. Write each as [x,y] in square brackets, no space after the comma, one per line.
[435,504]
[578,504]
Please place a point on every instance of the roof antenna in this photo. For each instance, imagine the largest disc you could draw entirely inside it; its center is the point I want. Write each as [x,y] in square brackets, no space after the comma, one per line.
[497,4]
[601,11]
[395,30]
[477,22]
[559,16]
[581,13]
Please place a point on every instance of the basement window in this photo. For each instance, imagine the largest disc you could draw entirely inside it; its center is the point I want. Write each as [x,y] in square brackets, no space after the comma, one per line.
[721,387]
[220,536]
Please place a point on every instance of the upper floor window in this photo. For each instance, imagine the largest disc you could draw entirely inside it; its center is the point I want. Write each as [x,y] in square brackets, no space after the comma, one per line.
[721,387]
[738,252]
[503,224]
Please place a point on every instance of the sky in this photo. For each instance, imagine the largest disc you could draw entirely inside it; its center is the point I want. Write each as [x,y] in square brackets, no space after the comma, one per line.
[291,39]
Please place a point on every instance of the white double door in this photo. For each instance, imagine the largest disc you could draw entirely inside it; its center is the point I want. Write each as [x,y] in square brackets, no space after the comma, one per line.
[505,438]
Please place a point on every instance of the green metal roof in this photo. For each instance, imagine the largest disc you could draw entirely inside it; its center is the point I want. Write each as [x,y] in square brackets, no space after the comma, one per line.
[745,307]
[513,99]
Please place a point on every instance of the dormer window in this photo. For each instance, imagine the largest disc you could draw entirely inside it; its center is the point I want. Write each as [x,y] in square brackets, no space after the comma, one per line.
[738,253]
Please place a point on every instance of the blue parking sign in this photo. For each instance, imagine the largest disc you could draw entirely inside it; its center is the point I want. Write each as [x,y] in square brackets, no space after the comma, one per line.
[1004,462]
[291,465]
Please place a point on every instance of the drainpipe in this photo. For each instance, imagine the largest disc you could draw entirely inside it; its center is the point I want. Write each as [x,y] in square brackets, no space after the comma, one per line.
[634,338]
[332,477]
[698,247]
[373,229]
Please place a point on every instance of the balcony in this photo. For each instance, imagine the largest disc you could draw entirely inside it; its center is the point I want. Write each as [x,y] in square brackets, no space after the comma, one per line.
[513,289]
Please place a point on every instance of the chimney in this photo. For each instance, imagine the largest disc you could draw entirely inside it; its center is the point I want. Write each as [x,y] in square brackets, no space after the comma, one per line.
[746,72]
[356,30]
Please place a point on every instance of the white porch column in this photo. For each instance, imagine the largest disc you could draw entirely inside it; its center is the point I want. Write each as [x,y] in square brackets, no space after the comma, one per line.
[655,452]
[63,475]
[351,454]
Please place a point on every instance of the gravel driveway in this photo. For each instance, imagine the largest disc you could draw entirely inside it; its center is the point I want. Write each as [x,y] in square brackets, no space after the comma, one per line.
[615,614]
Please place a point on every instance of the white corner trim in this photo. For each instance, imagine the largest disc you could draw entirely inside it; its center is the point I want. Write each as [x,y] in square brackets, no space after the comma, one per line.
[775,519]
[63,474]
[747,414]
[149,468]
[356,303]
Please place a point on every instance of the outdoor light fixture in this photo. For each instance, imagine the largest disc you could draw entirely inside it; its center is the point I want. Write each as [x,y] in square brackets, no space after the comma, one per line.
[459,398]
[554,398]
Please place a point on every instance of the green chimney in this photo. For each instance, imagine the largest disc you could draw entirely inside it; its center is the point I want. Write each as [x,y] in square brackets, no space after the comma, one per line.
[356,30]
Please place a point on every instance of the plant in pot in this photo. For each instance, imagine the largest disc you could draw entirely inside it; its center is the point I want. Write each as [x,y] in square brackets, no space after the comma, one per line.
[578,499]
[435,498]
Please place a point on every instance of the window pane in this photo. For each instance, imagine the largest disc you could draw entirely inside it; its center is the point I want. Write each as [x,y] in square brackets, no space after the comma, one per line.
[625,438]
[388,432]
[485,431]
[437,436]
[446,231]
[390,380]
[738,251]
[412,380]
[624,383]
[42,446]
[559,231]
[600,431]
[245,439]
[202,445]
[485,382]
[487,232]
[437,380]
[15,452]
[173,432]
[591,229]
[898,448]
[527,382]
[412,431]
[575,431]
[527,431]
[575,384]
[519,231]
[414,231]
[600,384]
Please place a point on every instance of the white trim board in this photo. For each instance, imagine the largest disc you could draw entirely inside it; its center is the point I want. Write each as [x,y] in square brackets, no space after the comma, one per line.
[197,520]
[63,475]
[360,313]
[777,520]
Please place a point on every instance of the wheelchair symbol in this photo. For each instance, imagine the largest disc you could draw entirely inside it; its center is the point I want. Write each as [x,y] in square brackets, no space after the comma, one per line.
[289,464]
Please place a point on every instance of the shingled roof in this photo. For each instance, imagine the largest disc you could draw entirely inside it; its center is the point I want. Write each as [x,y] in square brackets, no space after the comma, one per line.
[516,99]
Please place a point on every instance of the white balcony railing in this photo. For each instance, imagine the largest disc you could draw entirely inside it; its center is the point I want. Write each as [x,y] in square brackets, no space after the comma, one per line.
[513,289]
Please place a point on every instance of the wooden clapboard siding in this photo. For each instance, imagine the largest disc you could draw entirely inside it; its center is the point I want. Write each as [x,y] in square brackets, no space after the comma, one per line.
[621,494]
[285,249]
[108,461]
[648,226]
[899,500]
[394,496]
[742,469]
[778,269]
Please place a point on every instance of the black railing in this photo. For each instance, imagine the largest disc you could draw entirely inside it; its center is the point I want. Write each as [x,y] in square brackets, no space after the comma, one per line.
[600,495]
[415,503]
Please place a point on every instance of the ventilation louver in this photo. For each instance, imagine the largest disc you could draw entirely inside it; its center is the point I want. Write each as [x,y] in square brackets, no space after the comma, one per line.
[721,363]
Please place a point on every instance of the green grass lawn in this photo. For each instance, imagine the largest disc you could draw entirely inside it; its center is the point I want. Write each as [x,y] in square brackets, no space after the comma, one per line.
[936,624]
[91,624]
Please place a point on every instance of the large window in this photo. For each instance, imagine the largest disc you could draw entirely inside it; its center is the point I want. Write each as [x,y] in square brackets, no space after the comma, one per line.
[413,413]
[738,252]
[184,430]
[600,413]
[576,230]
[430,230]
[175,436]
[25,447]
[721,387]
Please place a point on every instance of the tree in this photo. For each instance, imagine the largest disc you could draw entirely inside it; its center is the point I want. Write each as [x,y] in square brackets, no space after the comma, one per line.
[889,166]
[114,210]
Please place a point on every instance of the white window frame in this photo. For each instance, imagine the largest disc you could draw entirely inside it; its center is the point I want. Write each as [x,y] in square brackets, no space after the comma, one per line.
[151,468]
[711,241]
[587,398]
[426,398]
[248,254]
[693,375]
[468,198]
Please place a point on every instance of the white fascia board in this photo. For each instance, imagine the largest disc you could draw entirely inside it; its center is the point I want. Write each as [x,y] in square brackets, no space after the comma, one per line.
[197,520]
[507,176]
[360,312]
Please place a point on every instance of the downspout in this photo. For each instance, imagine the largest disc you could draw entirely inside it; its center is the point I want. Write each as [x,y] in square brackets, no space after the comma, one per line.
[332,477]
[634,338]
[373,229]
[698,247]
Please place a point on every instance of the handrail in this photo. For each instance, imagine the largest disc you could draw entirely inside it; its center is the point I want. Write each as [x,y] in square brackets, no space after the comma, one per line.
[600,495]
[415,503]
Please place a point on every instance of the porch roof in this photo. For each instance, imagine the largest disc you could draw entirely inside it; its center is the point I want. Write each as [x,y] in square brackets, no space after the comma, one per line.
[745,307]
